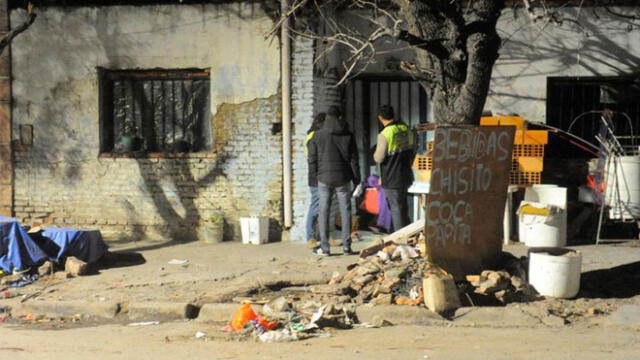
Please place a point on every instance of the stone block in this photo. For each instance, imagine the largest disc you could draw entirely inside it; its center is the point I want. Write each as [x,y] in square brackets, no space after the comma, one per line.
[46,269]
[75,267]
[162,311]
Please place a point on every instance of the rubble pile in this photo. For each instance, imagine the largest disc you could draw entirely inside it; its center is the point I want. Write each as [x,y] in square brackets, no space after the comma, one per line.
[504,287]
[386,273]
[394,275]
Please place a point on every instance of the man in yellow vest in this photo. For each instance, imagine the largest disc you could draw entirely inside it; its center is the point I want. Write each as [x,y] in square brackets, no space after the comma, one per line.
[394,153]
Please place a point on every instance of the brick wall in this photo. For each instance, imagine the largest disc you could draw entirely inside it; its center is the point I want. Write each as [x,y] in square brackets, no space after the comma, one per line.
[6,166]
[312,93]
[162,197]
[302,102]
[63,179]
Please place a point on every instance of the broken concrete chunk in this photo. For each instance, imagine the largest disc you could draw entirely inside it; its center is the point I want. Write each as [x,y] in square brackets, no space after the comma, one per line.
[382,299]
[440,294]
[336,277]
[517,282]
[337,289]
[75,267]
[366,269]
[360,281]
[492,285]
[276,307]
[46,269]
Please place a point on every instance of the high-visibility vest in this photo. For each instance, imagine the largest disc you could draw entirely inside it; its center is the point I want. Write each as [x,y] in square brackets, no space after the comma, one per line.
[306,142]
[396,170]
[399,138]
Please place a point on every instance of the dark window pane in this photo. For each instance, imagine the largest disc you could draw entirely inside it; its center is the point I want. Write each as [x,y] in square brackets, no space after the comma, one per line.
[162,110]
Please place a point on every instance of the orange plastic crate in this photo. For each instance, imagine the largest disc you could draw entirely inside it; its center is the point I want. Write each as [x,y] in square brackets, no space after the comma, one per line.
[517,121]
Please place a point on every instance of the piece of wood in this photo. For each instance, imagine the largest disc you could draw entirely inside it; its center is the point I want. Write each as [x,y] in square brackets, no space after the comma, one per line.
[402,235]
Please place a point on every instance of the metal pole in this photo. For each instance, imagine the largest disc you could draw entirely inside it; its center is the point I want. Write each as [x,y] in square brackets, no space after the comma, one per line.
[285,71]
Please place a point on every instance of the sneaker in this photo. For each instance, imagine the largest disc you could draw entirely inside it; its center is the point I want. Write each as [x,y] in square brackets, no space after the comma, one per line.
[349,251]
[320,252]
[312,244]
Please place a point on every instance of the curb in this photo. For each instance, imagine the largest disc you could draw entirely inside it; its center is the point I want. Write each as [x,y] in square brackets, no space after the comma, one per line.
[162,310]
[397,315]
[106,310]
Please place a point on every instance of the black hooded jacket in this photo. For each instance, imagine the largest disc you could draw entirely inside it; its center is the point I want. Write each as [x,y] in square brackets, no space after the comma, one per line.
[333,156]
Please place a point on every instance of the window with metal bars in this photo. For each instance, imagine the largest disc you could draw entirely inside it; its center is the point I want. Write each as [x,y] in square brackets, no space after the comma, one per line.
[165,111]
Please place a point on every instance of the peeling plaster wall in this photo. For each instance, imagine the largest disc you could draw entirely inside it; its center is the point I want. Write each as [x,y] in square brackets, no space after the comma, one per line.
[61,178]
[604,45]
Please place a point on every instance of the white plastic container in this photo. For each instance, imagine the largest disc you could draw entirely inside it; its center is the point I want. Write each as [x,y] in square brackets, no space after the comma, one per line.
[255,230]
[623,178]
[545,231]
[555,271]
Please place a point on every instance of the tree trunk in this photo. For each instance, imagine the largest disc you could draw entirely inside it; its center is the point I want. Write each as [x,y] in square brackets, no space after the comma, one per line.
[456,51]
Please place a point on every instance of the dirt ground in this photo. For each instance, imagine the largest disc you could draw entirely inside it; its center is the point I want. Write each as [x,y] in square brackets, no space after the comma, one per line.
[224,272]
[177,341]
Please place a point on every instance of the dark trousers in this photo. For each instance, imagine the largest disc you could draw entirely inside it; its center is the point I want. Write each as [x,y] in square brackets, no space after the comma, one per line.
[343,193]
[397,199]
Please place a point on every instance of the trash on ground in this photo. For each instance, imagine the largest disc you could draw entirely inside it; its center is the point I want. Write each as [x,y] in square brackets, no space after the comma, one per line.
[178,262]
[200,334]
[144,323]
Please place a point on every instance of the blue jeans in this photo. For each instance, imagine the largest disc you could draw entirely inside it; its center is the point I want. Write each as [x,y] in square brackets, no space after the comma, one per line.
[312,214]
[325,193]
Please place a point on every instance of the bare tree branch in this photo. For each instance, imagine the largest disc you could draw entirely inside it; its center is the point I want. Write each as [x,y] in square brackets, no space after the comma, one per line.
[6,40]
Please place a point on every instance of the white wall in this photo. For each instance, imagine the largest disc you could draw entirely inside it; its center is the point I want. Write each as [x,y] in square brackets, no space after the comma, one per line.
[602,45]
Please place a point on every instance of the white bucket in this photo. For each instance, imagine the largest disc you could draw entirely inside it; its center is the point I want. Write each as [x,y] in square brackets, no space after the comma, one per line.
[555,271]
[545,231]
[255,230]
[623,184]
[541,231]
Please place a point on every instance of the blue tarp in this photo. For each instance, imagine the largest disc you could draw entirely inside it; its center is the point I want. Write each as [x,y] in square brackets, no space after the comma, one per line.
[86,245]
[17,249]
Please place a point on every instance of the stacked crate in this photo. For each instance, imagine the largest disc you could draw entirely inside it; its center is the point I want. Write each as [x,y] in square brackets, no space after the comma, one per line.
[528,149]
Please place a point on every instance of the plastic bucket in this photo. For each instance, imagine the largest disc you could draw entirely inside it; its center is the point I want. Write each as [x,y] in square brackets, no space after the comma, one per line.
[555,271]
[551,231]
[540,231]
[623,184]
[255,230]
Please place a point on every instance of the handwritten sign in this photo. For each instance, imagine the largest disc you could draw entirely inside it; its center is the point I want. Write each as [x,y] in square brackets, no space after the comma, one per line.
[468,188]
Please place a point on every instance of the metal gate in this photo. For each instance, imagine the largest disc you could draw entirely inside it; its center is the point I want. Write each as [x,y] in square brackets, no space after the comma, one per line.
[365,96]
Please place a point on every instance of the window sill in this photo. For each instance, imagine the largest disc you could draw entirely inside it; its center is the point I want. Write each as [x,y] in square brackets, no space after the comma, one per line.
[156,155]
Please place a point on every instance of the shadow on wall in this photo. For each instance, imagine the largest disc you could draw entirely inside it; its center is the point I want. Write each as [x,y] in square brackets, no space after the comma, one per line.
[592,45]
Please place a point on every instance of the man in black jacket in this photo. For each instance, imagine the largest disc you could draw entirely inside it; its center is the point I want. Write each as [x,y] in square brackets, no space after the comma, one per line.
[333,159]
